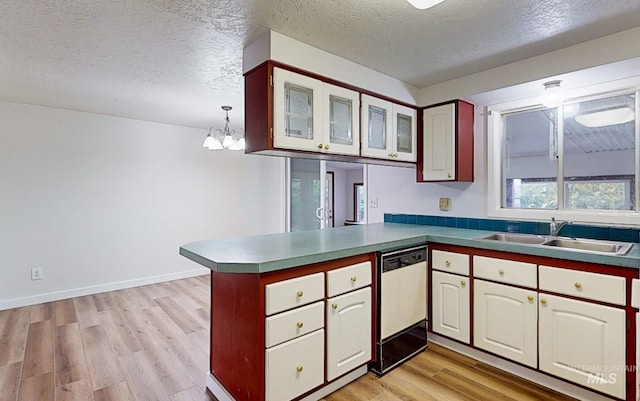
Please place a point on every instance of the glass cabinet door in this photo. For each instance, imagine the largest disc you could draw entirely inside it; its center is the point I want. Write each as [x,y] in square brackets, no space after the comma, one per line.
[341,120]
[340,117]
[377,130]
[377,133]
[297,110]
[404,128]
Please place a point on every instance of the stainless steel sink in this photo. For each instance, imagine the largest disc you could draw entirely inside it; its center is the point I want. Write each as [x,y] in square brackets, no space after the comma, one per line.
[519,238]
[587,245]
[570,244]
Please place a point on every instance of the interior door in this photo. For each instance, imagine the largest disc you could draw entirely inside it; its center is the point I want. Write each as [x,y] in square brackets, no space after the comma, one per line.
[307,194]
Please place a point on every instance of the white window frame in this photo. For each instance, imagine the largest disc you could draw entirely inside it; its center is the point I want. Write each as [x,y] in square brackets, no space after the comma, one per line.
[495,133]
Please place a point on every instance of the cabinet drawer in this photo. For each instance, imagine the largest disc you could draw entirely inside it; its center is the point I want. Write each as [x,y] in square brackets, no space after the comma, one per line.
[348,278]
[294,292]
[599,287]
[450,262]
[294,323]
[295,367]
[505,271]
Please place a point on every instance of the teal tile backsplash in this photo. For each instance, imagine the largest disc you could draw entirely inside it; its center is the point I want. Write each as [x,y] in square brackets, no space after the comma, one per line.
[527,227]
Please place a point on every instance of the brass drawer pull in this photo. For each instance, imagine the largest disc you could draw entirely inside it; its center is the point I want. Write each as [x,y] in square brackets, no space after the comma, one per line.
[334,306]
[354,279]
[320,146]
[299,369]
[463,283]
[543,301]
[530,298]
[501,272]
[299,294]
[299,324]
[447,263]
[578,286]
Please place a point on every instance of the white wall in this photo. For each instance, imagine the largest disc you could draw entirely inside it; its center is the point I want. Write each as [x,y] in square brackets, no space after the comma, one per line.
[101,202]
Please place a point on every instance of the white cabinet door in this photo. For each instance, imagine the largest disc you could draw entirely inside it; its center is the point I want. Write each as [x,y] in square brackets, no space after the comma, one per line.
[505,321]
[295,367]
[297,111]
[341,121]
[348,332]
[584,343]
[451,306]
[377,127]
[404,137]
[388,130]
[439,156]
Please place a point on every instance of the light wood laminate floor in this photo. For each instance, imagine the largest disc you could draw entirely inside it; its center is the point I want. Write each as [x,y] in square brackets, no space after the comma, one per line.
[151,343]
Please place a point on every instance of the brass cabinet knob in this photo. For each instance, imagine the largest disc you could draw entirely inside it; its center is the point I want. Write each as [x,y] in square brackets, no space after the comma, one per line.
[334,306]
[447,263]
[449,175]
[354,279]
[299,324]
[543,301]
[463,283]
[326,147]
[530,298]
[299,368]
[320,146]
[578,286]
[299,294]
[501,272]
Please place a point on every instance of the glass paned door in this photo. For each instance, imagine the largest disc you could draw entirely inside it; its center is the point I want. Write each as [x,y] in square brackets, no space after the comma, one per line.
[298,111]
[307,193]
[341,130]
[405,133]
[377,134]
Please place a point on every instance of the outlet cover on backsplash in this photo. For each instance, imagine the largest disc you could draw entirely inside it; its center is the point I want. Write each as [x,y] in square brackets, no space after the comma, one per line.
[445,204]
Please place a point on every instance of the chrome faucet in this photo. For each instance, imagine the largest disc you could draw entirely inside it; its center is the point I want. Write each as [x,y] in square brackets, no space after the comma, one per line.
[555,227]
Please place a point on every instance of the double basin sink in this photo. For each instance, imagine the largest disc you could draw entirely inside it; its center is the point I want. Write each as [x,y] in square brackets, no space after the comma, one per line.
[570,244]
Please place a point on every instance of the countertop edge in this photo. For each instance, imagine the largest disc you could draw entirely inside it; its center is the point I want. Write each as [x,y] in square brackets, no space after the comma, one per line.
[459,237]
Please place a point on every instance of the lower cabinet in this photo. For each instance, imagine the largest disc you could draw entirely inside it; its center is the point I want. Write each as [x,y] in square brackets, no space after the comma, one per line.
[295,367]
[583,342]
[348,332]
[451,314]
[505,321]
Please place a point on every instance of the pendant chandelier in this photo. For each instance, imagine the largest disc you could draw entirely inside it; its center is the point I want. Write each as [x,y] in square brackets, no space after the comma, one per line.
[228,139]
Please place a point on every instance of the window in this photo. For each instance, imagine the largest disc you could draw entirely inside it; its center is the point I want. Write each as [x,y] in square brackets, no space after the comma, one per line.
[577,158]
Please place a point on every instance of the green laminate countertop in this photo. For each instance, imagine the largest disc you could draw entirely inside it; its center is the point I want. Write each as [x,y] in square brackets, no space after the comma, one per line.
[266,253]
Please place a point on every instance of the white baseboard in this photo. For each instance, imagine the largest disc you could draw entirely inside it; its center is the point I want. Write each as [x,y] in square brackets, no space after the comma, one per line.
[222,395]
[519,370]
[96,289]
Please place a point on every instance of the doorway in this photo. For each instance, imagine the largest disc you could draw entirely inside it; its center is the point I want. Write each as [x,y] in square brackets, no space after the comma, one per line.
[320,194]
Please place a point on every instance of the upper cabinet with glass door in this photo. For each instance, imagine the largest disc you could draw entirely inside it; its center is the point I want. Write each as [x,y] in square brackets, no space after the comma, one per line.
[314,116]
[388,130]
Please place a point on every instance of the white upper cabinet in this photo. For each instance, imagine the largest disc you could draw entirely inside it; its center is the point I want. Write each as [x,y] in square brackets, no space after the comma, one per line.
[314,116]
[447,150]
[388,130]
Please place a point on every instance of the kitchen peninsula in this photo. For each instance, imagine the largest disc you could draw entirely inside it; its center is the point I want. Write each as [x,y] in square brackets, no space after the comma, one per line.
[273,300]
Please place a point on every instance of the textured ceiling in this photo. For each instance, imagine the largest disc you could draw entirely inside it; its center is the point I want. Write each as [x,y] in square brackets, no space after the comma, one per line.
[178,61]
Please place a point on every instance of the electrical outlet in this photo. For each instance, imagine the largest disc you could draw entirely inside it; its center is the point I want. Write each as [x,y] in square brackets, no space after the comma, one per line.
[373,202]
[36,273]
